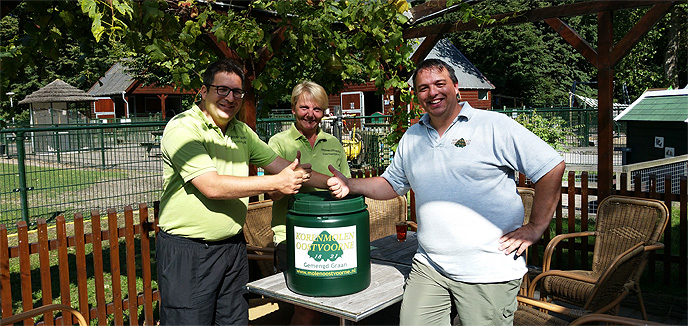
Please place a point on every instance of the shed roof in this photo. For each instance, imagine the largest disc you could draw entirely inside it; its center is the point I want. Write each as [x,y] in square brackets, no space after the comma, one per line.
[592,102]
[667,105]
[468,75]
[115,81]
[57,91]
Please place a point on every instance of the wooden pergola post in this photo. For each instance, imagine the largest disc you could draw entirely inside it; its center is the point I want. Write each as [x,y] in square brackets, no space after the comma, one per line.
[605,123]
[162,98]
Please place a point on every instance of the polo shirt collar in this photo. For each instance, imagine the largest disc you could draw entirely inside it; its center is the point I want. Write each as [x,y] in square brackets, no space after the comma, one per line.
[209,123]
[296,134]
[467,112]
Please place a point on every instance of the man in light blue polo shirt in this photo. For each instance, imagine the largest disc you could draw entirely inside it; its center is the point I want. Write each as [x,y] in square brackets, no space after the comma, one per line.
[462,164]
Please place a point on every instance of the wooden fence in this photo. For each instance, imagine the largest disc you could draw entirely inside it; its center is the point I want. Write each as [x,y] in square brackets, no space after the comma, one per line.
[131,257]
[82,260]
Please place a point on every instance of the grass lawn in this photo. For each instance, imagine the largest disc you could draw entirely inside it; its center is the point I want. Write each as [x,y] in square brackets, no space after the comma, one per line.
[54,187]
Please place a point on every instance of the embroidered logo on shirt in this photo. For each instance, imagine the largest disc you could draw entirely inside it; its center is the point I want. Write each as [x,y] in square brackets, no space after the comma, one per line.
[461,142]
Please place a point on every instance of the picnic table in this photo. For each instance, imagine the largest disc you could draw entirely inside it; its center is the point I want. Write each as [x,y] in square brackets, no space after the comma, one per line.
[149,146]
[390,265]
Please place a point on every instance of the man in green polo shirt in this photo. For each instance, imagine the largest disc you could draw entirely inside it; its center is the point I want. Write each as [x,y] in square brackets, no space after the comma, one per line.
[200,250]
[320,149]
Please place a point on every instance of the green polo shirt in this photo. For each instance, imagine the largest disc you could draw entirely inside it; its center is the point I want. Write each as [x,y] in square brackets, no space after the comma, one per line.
[191,146]
[327,150]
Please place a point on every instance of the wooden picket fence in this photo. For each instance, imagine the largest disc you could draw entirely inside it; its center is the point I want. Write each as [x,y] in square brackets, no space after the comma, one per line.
[131,258]
[126,261]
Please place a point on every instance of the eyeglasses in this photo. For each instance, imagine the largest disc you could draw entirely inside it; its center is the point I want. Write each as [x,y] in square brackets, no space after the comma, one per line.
[224,91]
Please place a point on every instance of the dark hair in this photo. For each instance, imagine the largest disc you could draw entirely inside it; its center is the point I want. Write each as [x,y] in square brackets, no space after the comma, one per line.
[435,64]
[223,65]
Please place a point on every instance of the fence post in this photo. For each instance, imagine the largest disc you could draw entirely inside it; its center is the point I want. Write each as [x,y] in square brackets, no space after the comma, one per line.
[102,147]
[21,170]
[58,148]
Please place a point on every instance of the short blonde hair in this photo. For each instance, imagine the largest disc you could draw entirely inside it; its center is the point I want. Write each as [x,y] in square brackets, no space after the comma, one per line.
[313,91]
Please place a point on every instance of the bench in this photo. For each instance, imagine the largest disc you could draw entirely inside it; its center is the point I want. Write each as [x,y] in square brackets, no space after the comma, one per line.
[150,145]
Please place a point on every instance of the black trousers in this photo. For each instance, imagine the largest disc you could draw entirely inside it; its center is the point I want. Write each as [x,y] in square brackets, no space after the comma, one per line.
[202,283]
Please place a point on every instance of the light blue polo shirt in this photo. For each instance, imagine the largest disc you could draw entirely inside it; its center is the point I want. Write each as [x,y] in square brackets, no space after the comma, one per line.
[465,189]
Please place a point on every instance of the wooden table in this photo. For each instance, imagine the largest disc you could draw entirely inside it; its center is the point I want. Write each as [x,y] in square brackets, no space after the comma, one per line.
[390,265]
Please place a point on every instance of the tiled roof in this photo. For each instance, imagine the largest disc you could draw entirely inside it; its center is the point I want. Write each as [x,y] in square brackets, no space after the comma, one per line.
[468,75]
[668,105]
[115,81]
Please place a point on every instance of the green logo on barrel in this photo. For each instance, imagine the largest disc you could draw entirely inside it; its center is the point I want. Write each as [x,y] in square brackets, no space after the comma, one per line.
[325,247]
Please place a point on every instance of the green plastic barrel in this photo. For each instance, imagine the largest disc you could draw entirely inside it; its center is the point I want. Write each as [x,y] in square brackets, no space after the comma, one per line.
[328,245]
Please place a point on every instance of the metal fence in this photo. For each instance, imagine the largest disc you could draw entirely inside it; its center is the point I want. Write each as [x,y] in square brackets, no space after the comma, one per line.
[50,170]
[363,136]
[583,123]
[46,171]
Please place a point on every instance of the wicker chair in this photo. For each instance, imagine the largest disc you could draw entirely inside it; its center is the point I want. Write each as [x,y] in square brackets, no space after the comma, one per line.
[66,310]
[384,215]
[258,234]
[622,222]
[527,196]
[606,293]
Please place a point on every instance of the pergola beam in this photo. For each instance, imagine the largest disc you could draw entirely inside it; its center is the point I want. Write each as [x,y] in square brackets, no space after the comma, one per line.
[516,17]
[573,38]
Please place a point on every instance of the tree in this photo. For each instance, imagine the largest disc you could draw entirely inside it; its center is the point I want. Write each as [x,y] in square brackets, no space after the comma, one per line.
[529,61]
[40,43]
[533,62]
[330,42]
[660,59]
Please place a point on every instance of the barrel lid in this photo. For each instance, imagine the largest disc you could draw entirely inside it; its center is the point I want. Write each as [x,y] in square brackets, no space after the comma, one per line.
[322,203]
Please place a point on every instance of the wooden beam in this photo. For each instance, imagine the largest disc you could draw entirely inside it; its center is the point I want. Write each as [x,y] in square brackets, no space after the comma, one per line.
[426,9]
[513,18]
[573,38]
[266,53]
[221,48]
[605,88]
[425,47]
[435,8]
[639,30]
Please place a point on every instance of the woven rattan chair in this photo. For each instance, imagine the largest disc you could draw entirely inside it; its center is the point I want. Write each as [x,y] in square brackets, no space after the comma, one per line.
[384,215]
[258,234]
[527,196]
[608,290]
[621,223]
[42,310]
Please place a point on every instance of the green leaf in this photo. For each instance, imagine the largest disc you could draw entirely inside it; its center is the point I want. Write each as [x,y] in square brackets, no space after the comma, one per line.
[96,28]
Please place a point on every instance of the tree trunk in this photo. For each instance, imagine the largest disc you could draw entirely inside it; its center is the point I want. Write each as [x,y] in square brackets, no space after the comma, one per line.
[676,28]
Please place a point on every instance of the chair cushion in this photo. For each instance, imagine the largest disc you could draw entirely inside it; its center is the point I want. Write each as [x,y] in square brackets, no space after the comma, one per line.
[568,290]
[528,316]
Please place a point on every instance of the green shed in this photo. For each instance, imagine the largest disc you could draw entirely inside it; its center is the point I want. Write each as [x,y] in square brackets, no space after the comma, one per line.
[657,125]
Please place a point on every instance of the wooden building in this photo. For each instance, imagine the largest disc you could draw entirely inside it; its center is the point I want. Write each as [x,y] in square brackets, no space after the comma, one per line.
[474,87]
[657,125]
[118,95]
